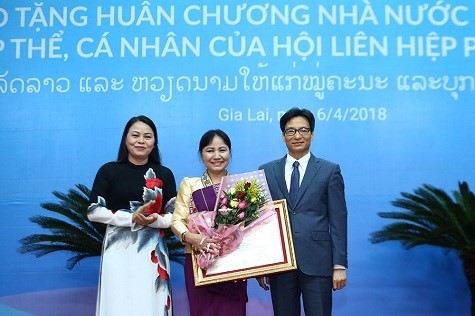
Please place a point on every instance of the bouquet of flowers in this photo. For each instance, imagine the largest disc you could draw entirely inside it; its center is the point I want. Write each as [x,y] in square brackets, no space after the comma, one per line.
[241,204]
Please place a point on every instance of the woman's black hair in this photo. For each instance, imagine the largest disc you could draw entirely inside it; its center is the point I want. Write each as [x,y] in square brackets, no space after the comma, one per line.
[207,138]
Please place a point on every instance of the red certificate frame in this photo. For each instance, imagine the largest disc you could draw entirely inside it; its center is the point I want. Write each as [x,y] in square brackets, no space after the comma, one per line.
[266,249]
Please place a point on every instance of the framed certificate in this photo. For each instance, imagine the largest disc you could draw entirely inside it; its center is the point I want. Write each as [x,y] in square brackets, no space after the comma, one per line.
[265,249]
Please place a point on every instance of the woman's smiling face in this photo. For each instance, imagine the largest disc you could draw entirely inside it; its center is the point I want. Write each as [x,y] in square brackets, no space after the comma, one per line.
[140,142]
[216,155]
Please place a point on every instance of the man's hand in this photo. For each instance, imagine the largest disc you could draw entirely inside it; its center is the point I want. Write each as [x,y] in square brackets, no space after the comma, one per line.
[339,279]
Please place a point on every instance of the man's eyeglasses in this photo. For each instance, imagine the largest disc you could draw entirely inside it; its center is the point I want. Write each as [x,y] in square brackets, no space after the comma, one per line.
[304,131]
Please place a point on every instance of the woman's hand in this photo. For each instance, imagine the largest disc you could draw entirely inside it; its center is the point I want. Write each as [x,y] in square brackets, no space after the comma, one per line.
[202,243]
[263,282]
[140,218]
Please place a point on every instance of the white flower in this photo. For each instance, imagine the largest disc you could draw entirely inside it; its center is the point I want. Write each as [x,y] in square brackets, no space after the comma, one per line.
[224,211]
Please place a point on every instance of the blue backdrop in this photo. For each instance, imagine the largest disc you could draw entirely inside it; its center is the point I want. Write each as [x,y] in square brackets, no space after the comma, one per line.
[391,84]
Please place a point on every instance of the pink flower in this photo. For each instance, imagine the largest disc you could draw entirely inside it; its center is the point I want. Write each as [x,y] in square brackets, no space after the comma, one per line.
[224,201]
[242,205]
[241,215]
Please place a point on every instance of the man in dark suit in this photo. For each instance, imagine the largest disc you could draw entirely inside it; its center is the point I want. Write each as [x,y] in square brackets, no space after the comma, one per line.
[314,190]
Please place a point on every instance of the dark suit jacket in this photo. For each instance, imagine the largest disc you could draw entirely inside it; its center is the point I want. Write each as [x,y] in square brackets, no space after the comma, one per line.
[319,217]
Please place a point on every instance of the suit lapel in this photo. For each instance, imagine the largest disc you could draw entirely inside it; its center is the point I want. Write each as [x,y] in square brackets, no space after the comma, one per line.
[310,174]
[279,171]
